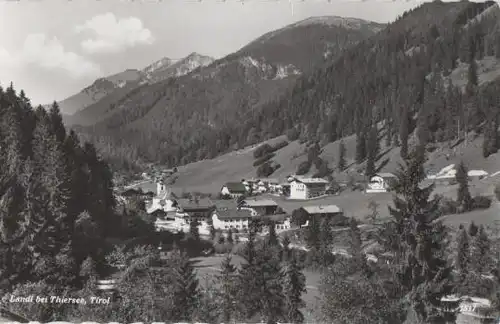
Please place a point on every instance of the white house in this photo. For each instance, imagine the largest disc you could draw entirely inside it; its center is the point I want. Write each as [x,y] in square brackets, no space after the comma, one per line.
[381,182]
[234,189]
[306,188]
[259,207]
[226,218]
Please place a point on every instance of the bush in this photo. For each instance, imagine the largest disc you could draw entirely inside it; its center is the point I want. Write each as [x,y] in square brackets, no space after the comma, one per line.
[497,191]
[303,168]
[223,248]
[265,170]
[292,134]
[263,159]
[280,145]
[481,202]
[447,206]
[262,150]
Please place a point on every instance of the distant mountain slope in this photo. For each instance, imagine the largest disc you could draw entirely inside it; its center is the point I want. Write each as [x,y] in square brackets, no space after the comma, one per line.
[158,120]
[99,89]
[121,83]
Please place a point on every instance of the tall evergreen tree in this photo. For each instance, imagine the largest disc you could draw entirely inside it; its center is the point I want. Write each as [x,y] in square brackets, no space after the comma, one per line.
[481,251]
[373,149]
[228,290]
[420,255]
[194,230]
[294,285]
[462,261]
[360,147]
[313,232]
[185,289]
[342,159]
[463,195]
[230,236]
[273,237]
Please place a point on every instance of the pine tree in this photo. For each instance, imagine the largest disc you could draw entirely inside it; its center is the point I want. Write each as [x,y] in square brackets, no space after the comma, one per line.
[294,285]
[230,236]
[313,234]
[342,159]
[481,251]
[360,148]
[404,132]
[463,195]
[228,289]
[286,252]
[273,237]
[472,77]
[212,232]
[420,254]
[473,229]
[463,252]
[185,289]
[373,149]
[194,230]
[325,243]
[260,289]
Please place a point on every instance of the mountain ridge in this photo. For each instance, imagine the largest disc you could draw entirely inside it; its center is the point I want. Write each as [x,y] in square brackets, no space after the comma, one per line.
[130,79]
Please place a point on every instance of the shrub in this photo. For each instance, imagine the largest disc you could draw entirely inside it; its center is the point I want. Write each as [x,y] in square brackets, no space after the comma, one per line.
[223,248]
[497,191]
[262,150]
[292,134]
[280,145]
[447,206]
[481,202]
[265,170]
[263,159]
[303,168]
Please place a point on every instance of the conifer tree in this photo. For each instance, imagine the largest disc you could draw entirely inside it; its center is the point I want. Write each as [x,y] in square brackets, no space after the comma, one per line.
[463,252]
[342,159]
[481,251]
[230,236]
[473,229]
[185,289]
[373,149]
[294,285]
[360,147]
[194,230]
[228,290]
[273,237]
[287,252]
[463,195]
[404,132]
[420,255]
[313,231]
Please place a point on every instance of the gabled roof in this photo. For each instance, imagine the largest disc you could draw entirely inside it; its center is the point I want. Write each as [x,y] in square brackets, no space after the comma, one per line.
[235,187]
[158,212]
[193,204]
[279,218]
[322,209]
[386,175]
[311,180]
[269,180]
[233,213]
[258,202]
[131,192]
[223,204]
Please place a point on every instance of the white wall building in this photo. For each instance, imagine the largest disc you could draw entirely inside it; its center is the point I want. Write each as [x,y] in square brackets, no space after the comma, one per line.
[381,182]
[306,188]
[226,218]
[164,200]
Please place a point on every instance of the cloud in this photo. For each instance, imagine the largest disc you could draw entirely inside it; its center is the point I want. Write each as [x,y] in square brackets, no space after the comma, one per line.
[48,54]
[113,35]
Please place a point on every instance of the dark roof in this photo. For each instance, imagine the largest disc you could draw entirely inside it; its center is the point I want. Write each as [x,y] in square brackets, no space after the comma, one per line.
[223,204]
[236,187]
[193,204]
[131,192]
[279,218]
[159,212]
[233,213]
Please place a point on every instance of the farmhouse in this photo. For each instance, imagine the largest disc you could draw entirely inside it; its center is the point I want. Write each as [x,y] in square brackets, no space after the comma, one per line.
[281,221]
[233,189]
[195,209]
[306,188]
[333,212]
[381,182]
[259,206]
[225,218]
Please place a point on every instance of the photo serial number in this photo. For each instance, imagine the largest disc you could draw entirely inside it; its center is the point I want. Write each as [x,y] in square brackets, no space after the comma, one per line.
[56,300]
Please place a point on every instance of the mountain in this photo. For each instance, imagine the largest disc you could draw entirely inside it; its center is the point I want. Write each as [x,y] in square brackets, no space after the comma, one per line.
[130,79]
[97,90]
[154,121]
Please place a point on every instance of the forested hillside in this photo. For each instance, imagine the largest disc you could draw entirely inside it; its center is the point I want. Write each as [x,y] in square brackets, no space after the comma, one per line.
[156,122]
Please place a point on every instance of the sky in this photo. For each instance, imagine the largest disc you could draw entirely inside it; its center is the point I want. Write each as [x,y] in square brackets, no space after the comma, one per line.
[53,49]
